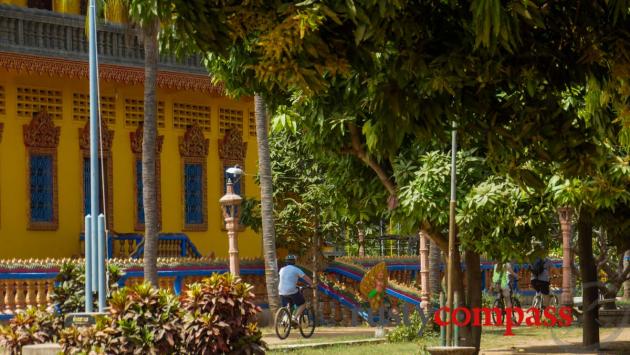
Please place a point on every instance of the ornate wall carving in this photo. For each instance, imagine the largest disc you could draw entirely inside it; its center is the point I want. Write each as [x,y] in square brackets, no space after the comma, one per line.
[135,139]
[84,146]
[232,148]
[107,72]
[193,143]
[232,151]
[106,134]
[193,148]
[41,132]
[41,137]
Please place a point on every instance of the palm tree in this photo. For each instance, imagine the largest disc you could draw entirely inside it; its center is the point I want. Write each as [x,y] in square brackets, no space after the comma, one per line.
[266,187]
[143,13]
[149,137]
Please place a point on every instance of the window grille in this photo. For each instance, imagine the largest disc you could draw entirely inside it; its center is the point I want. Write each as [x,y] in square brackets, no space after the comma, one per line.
[41,183]
[229,118]
[81,108]
[139,187]
[3,102]
[252,123]
[193,186]
[31,101]
[185,115]
[134,112]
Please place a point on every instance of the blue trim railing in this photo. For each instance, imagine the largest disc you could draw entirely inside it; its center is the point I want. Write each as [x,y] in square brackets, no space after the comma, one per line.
[186,248]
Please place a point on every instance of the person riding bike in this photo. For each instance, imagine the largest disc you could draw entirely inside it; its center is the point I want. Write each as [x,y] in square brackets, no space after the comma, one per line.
[287,288]
[501,280]
[540,278]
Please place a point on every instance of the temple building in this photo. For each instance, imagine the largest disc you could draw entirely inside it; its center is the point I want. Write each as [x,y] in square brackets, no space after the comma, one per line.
[44,141]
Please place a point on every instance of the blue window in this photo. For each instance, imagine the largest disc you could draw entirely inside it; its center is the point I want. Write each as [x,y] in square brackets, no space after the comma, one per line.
[193,193]
[41,187]
[86,186]
[139,200]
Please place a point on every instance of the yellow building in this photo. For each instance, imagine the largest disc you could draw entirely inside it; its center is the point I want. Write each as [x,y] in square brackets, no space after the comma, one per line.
[44,111]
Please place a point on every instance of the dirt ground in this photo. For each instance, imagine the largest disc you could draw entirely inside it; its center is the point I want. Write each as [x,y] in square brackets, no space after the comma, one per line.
[613,341]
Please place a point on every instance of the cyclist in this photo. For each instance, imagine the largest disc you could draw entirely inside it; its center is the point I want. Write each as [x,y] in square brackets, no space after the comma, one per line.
[287,288]
[501,279]
[540,278]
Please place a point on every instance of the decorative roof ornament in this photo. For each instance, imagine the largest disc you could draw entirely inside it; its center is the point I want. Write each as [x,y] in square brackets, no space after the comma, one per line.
[41,132]
[106,134]
[231,147]
[136,137]
[193,143]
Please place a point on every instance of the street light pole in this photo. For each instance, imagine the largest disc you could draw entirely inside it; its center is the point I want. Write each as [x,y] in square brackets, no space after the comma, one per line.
[230,203]
[451,236]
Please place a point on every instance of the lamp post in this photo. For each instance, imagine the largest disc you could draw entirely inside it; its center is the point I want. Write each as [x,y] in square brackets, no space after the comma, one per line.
[230,203]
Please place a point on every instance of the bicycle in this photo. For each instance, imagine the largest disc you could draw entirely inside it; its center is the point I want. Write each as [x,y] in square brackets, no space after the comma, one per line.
[499,303]
[305,320]
[538,301]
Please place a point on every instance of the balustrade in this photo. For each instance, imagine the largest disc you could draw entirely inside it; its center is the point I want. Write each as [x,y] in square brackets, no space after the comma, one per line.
[38,32]
[16,295]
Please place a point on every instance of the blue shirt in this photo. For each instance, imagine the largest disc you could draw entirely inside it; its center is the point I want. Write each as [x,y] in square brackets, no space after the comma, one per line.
[289,276]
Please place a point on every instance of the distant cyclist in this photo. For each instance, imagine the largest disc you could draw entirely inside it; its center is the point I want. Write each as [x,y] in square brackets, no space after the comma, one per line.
[501,279]
[540,277]
[289,276]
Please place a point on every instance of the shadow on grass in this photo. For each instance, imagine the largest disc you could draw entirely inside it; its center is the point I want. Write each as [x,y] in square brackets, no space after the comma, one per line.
[612,348]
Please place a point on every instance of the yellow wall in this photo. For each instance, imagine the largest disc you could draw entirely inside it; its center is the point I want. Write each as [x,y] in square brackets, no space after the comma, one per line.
[18,242]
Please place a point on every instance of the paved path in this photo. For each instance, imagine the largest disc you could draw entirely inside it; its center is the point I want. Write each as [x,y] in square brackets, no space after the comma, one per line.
[322,334]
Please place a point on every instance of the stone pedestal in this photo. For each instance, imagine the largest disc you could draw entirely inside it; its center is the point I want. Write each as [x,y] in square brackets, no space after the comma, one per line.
[452,350]
[42,349]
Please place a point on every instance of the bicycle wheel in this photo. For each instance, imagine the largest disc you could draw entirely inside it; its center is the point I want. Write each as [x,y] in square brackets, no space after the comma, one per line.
[283,323]
[515,317]
[537,302]
[306,322]
[553,301]
[498,303]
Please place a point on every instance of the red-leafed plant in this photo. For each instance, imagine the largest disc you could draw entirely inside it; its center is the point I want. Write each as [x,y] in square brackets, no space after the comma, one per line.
[31,326]
[220,317]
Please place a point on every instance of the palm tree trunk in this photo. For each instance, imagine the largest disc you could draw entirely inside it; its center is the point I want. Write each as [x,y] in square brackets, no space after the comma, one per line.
[149,189]
[266,197]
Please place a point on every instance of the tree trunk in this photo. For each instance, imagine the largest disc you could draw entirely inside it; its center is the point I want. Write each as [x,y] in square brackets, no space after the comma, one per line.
[588,270]
[266,194]
[149,183]
[316,267]
[626,285]
[565,215]
[473,294]
[435,260]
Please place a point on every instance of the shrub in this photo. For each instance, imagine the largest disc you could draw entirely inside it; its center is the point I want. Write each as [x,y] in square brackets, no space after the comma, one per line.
[87,340]
[68,295]
[220,317]
[145,319]
[410,332]
[142,320]
[31,326]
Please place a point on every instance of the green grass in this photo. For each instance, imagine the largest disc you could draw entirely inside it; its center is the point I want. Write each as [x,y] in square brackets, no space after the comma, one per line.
[366,349]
